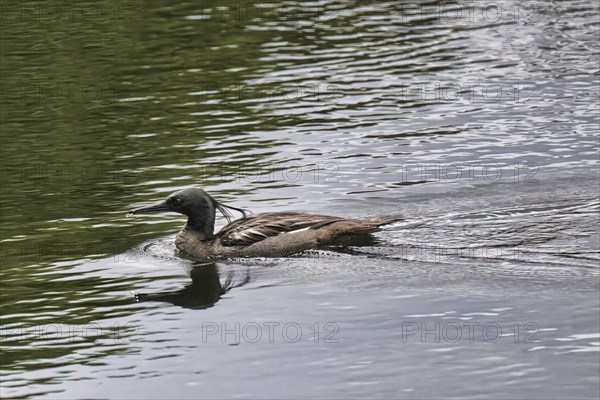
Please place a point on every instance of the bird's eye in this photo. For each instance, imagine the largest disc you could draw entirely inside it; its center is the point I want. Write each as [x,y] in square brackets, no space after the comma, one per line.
[176,201]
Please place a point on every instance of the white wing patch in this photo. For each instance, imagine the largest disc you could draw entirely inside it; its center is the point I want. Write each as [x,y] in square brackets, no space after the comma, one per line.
[298,230]
[253,232]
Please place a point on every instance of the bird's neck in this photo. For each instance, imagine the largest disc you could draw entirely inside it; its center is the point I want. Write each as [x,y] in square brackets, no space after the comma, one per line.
[203,225]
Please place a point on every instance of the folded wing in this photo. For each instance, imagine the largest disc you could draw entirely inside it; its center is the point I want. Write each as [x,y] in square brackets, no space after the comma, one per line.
[247,231]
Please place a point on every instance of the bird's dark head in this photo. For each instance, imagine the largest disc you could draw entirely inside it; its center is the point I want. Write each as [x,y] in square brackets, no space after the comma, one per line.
[187,201]
[196,204]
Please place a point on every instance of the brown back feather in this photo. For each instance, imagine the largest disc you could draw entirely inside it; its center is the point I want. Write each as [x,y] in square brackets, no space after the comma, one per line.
[244,232]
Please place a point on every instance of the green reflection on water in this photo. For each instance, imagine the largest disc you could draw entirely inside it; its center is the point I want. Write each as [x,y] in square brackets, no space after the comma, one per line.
[97,95]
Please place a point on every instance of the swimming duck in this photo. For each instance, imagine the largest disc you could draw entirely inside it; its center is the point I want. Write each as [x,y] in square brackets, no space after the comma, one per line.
[274,234]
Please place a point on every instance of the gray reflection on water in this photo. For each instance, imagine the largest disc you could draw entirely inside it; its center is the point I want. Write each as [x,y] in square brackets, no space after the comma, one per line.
[203,292]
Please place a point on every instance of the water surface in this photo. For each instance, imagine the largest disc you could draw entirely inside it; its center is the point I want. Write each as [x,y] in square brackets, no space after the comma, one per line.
[480,127]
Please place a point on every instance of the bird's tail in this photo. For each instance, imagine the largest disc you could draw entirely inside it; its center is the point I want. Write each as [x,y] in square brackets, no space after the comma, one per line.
[386,220]
[373,225]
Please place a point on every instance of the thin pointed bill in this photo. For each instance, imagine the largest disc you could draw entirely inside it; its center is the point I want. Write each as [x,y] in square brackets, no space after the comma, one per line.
[162,206]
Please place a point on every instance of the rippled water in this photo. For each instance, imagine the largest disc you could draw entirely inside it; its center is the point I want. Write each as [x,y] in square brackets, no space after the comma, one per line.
[478,122]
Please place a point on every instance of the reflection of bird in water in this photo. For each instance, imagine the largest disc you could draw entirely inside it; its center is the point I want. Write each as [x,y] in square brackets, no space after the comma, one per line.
[204,291]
